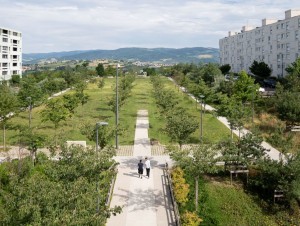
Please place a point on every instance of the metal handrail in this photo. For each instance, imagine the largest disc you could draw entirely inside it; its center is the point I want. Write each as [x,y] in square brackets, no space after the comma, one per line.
[112,184]
[174,203]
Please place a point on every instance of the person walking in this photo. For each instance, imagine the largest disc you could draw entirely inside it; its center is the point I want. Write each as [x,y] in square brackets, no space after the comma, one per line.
[148,166]
[140,169]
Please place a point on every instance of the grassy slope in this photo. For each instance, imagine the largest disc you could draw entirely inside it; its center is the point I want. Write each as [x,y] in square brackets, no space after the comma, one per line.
[232,207]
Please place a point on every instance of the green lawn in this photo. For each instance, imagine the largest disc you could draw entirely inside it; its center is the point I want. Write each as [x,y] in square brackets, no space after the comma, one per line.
[231,206]
[97,110]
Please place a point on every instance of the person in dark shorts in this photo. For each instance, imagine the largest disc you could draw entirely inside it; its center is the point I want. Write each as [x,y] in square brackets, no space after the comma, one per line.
[140,169]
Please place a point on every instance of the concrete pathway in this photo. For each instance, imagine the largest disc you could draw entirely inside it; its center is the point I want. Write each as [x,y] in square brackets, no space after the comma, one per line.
[272,153]
[145,201]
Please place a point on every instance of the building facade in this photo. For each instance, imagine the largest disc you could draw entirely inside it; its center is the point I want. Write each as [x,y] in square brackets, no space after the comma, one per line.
[276,42]
[10,53]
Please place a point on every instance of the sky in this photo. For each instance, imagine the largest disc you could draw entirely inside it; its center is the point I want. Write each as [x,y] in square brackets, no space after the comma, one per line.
[66,25]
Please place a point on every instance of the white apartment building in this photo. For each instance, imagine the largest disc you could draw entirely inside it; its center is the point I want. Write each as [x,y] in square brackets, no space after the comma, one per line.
[276,42]
[10,53]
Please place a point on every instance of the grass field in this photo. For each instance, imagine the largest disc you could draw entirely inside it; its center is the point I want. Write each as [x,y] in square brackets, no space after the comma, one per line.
[97,110]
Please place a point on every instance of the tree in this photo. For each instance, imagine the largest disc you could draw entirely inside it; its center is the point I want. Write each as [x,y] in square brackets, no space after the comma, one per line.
[197,161]
[260,69]
[8,107]
[55,112]
[110,71]
[30,93]
[247,151]
[211,74]
[149,71]
[235,112]
[225,69]
[105,134]
[101,83]
[58,192]
[71,102]
[32,140]
[180,125]
[291,82]
[15,79]
[79,88]
[244,88]
[288,108]
[100,70]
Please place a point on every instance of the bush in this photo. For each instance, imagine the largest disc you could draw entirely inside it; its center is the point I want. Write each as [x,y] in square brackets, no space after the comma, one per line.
[181,188]
[190,219]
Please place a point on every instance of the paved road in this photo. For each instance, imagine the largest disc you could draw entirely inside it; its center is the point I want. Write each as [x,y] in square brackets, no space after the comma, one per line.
[146,202]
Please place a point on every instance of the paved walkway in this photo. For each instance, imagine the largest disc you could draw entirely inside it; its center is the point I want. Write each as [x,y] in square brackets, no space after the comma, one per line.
[273,153]
[146,202]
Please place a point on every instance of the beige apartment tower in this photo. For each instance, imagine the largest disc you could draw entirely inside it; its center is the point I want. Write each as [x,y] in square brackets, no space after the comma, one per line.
[276,42]
[10,53]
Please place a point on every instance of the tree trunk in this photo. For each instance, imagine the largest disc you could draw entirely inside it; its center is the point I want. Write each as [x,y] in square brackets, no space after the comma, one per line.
[196,192]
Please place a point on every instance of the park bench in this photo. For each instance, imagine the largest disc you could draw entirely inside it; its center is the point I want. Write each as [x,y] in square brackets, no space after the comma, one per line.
[237,169]
[278,194]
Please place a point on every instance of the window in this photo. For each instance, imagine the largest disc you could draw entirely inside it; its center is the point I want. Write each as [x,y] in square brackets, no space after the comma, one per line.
[282,36]
[15,72]
[4,56]
[296,34]
[278,37]
[5,31]
[4,72]
[15,64]
[278,46]
[5,48]
[5,39]
[288,47]
[15,41]
[15,49]
[4,64]
[282,26]
[287,34]
[15,33]
[287,25]
[15,57]
[278,57]
[296,55]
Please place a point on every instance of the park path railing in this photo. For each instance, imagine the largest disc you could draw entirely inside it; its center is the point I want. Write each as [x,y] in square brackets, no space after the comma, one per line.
[174,203]
[112,183]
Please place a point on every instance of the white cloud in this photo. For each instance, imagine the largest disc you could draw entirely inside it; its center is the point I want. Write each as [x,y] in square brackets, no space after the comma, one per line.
[109,24]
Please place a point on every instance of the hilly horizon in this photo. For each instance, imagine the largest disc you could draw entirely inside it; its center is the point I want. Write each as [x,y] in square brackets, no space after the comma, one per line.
[162,55]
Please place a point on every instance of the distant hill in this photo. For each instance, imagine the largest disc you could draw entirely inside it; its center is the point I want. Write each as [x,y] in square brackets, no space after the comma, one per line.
[162,55]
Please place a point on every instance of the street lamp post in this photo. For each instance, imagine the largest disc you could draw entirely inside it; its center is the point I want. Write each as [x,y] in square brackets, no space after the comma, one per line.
[117,108]
[201,118]
[30,108]
[98,124]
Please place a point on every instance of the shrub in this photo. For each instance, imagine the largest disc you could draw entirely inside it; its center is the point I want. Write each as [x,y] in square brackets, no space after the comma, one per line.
[181,188]
[190,219]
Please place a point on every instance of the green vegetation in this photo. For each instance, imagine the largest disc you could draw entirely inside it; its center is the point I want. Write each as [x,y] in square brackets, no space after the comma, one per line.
[57,192]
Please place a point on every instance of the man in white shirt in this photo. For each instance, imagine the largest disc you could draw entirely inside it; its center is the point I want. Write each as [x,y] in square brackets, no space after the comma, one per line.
[148,166]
